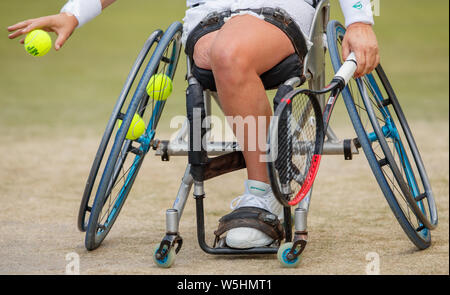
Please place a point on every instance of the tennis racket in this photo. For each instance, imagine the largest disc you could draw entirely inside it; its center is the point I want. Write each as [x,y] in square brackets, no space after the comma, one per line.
[297,134]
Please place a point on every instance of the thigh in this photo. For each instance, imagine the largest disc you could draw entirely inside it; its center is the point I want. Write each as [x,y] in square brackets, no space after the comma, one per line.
[248,37]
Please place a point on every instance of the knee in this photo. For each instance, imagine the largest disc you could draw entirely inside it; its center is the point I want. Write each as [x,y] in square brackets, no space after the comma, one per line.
[230,62]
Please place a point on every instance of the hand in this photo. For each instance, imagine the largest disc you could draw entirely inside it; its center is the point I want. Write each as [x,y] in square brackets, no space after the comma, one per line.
[62,24]
[361,40]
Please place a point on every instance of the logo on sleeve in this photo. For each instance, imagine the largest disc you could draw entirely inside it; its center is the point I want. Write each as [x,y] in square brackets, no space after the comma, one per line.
[358,5]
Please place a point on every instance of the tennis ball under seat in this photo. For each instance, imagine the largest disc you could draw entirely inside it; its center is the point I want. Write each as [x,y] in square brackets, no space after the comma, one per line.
[159,87]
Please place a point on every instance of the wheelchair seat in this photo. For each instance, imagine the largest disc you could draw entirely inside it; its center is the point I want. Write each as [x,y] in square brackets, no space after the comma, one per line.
[288,68]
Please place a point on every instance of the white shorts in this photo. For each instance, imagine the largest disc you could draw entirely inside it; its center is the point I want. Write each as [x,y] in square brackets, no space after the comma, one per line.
[300,11]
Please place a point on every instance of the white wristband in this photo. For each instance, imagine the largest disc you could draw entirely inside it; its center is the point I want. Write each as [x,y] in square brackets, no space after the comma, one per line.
[83,10]
[357,11]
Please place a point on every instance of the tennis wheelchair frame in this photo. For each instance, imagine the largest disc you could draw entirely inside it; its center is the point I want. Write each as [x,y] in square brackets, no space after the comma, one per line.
[227,155]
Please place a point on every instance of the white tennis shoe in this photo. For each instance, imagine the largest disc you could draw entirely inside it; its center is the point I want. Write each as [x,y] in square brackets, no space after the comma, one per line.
[257,194]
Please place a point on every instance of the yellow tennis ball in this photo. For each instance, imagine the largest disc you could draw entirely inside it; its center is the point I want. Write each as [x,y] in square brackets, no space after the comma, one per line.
[38,43]
[137,128]
[159,87]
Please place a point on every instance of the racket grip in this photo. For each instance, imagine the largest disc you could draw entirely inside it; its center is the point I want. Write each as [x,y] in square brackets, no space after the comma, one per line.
[347,70]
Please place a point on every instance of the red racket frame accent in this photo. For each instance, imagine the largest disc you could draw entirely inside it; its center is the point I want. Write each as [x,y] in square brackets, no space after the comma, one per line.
[309,180]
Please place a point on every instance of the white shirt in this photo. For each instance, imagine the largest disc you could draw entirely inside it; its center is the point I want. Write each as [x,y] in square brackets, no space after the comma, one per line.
[353,10]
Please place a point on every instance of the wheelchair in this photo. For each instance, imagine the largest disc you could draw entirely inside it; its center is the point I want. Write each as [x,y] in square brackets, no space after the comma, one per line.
[379,122]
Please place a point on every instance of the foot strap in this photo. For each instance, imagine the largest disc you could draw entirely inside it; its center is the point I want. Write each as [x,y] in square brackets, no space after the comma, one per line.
[252,217]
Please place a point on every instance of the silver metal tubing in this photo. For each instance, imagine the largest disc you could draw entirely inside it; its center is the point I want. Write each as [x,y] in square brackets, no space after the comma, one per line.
[337,148]
[188,71]
[294,82]
[198,188]
[183,192]
[207,100]
[314,65]
[300,216]
[304,204]
[181,148]
[171,221]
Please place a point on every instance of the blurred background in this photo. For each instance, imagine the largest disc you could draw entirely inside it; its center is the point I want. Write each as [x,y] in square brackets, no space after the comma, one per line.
[53,111]
[73,91]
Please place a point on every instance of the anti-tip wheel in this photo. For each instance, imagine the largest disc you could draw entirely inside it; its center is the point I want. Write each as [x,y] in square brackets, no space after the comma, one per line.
[282,256]
[167,261]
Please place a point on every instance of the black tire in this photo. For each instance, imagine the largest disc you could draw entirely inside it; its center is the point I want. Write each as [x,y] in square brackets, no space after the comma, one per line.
[126,156]
[86,204]
[380,146]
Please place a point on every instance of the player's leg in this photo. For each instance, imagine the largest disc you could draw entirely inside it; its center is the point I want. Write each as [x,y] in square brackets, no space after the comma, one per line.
[243,49]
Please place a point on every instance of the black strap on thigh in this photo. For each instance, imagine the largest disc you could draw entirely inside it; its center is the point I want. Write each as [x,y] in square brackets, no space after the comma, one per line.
[212,22]
[252,217]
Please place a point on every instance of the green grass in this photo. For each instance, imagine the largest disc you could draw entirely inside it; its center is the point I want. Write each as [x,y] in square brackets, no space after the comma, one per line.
[73,91]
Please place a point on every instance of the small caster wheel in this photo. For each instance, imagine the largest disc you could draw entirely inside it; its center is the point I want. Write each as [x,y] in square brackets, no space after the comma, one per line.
[167,261]
[282,256]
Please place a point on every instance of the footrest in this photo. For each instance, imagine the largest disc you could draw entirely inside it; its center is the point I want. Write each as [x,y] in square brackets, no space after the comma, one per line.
[252,217]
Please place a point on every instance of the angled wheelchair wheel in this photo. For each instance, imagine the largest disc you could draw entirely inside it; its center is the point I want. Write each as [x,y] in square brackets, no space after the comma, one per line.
[387,141]
[112,177]
[86,202]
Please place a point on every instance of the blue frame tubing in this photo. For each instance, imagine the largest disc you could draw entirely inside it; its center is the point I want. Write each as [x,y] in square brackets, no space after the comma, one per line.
[84,207]
[420,235]
[122,147]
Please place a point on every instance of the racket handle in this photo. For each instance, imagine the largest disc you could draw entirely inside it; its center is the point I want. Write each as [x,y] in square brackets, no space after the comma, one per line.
[347,70]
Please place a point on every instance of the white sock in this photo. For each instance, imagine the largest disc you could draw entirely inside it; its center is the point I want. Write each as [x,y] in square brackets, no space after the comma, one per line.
[257,188]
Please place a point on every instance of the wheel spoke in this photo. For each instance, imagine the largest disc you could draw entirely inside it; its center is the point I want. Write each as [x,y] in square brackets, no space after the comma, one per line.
[372,107]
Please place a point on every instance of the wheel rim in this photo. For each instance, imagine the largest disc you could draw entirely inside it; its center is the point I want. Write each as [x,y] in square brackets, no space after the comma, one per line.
[126,169]
[390,142]
[87,202]
[286,260]
[132,153]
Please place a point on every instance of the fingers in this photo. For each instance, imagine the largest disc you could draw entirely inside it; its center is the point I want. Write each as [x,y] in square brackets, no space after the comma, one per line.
[371,63]
[62,38]
[367,60]
[361,40]
[20,25]
[15,34]
[24,27]
[62,24]
[345,49]
[361,61]
[30,25]
[377,61]
[18,28]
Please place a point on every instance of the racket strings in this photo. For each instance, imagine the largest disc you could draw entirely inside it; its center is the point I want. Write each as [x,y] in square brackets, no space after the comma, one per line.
[296,142]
